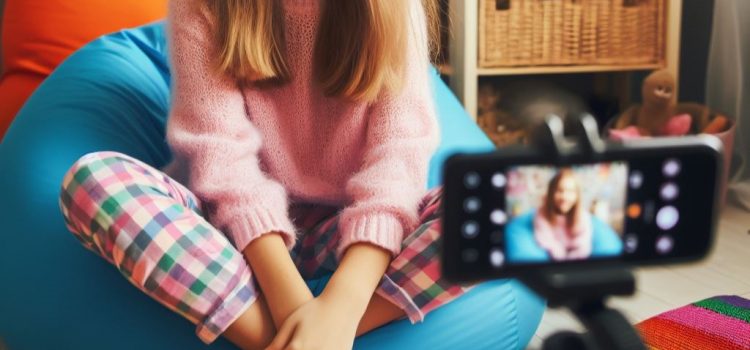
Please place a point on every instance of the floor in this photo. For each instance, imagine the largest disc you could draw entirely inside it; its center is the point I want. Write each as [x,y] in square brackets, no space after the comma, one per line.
[724,272]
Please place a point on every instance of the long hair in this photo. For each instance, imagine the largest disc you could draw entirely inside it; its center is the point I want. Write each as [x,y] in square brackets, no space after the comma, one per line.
[573,216]
[360,48]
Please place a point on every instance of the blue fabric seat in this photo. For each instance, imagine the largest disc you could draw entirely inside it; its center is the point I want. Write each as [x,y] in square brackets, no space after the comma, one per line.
[113,95]
[521,246]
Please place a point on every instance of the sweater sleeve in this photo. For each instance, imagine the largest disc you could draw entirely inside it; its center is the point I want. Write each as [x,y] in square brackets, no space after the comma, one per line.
[212,138]
[402,134]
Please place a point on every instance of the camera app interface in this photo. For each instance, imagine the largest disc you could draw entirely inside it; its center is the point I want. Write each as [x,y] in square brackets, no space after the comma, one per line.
[537,214]
[560,214]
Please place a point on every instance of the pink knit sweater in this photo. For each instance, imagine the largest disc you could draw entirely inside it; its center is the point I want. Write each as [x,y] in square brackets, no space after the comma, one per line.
[247,153]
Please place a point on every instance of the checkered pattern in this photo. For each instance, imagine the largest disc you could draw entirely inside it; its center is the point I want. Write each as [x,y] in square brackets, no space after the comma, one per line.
[413,280]
[151,228]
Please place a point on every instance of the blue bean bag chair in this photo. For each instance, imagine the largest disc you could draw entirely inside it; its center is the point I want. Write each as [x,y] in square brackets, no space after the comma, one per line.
[521,247]
[114,95]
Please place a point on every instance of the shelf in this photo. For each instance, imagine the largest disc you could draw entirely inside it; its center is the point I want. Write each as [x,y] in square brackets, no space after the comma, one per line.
[565,69]
[464,48]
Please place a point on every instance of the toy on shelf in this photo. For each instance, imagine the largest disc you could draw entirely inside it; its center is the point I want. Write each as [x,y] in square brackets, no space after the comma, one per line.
[508,114]
[661,115]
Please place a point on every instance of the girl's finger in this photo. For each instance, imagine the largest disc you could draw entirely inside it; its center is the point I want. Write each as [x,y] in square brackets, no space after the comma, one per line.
[285,334]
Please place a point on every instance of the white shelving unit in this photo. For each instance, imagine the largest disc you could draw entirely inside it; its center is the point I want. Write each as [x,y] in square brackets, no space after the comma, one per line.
[463,46]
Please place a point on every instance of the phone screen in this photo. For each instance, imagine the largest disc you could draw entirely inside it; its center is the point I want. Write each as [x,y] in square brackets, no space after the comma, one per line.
[510,213]
[558,214]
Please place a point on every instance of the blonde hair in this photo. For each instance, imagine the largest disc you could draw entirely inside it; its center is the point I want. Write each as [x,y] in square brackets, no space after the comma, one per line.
[360,49]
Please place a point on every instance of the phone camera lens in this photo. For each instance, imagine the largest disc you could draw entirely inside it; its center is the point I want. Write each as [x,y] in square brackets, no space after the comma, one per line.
[636,180]
[497,258]
[499,180]
[470,255]
[671,167]
[472,204]
[667,217]
[472,180]
[631,243]
[470,229]
[664,244]
[669,191]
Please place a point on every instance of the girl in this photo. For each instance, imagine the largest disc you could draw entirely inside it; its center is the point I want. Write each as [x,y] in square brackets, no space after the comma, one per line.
[296,125]
[561,226]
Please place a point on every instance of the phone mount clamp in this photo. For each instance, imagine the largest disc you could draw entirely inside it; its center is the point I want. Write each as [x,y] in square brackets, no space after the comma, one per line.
[583,291]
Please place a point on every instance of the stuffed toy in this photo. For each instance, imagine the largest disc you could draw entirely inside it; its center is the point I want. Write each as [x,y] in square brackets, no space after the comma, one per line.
[651,117]
[509,114]
[501,128]
[660,115]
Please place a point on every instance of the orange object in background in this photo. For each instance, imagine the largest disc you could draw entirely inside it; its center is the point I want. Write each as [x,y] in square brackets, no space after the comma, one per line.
[39,35]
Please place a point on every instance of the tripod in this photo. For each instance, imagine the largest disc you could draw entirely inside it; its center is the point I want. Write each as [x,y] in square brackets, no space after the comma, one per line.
[583,291]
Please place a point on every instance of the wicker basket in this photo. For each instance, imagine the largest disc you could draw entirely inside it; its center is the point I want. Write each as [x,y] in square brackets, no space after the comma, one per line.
[571,32]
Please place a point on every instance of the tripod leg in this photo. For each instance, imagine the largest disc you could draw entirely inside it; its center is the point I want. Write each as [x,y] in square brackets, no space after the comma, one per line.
[568,340]
[609,328]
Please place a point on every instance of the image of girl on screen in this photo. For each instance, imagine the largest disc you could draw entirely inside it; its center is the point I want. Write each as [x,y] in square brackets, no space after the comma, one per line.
[564,214]
[562,226]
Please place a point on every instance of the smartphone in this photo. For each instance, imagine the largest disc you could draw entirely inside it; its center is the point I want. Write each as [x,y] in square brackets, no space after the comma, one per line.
[640,202]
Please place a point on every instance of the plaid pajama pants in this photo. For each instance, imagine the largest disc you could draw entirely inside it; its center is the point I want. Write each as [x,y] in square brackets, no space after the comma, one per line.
[151,228]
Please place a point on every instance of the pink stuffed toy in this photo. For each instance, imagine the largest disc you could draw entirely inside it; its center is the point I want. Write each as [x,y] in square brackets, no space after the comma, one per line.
[678,125]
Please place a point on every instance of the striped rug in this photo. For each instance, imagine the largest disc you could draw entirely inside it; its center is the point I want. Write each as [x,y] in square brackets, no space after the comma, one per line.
[721,322]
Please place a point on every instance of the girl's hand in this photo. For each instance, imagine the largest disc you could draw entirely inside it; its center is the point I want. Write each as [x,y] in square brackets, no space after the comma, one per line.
[322,323]
[330,321]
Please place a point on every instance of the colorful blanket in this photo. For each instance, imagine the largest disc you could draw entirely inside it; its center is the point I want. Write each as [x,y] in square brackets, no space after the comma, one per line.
[721,322]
